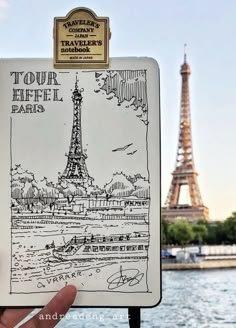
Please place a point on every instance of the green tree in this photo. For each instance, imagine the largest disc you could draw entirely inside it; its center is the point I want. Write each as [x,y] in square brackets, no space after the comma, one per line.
[164,231]
[216,233]
[180,232]
[202,221]
[200,232]
[230,228]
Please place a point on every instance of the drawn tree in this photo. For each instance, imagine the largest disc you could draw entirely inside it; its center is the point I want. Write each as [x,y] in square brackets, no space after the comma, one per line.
[47,193]
[70,190]
[119,186]
[94,191]
[141,188]
[17,189]
[128,86]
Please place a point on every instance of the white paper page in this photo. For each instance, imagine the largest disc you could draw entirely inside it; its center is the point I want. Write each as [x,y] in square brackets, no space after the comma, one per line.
[80,182]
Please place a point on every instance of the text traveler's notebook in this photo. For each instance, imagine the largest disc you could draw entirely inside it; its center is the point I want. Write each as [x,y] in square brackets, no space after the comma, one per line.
[80,182]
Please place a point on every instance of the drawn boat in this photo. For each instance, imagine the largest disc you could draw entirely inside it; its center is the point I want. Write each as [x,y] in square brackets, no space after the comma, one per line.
[52,245]
[128,246]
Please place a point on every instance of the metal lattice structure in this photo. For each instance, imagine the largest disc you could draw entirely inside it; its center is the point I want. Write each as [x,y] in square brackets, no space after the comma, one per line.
[76,170]
[184,173]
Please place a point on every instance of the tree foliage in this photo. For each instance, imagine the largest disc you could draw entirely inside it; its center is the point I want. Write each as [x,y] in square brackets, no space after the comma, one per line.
[199,232]
[230,228]
[215,233]
[164,231]
[181,232]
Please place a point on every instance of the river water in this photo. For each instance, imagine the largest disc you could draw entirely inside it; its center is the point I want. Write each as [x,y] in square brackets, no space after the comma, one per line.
[193,299]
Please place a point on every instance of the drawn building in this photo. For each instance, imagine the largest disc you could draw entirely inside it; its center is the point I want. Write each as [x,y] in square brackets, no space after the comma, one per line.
[76,170]
[184,173]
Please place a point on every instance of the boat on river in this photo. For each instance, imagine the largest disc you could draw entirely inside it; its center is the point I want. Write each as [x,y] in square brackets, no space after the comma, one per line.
[89,248]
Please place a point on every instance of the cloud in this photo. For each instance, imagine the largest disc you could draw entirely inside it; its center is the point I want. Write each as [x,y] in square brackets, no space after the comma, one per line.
[4,4]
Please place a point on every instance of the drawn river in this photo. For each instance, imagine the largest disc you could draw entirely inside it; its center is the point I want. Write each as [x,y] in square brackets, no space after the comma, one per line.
[35,269]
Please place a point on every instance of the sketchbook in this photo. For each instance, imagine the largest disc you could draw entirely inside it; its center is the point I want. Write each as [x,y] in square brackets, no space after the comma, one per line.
[80,183]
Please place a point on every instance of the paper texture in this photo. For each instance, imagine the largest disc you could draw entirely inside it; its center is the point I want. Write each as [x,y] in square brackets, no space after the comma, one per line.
[80,182]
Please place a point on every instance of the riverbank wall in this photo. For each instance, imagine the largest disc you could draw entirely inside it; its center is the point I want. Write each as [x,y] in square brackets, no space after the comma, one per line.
[201,265]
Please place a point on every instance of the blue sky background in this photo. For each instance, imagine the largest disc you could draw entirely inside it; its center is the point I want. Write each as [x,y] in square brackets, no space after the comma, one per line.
[159,29]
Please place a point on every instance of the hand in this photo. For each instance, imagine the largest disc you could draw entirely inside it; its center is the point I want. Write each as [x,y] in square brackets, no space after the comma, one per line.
[60,304]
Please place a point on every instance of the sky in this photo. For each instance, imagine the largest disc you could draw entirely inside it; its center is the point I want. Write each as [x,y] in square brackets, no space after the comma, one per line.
[159,29]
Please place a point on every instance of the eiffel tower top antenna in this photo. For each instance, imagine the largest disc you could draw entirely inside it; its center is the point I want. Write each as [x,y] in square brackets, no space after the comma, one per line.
[76,81]
[185,54]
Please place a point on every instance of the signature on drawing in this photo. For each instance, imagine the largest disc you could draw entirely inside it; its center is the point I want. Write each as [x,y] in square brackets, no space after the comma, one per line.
[131,277]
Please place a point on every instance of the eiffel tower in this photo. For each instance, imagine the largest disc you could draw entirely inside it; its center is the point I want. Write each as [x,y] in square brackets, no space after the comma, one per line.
[184,173]
[76,170]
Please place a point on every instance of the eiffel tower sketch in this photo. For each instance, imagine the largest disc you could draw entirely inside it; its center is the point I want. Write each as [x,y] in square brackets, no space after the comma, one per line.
[76,170]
